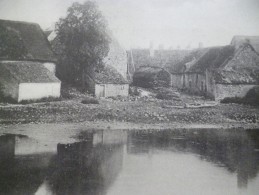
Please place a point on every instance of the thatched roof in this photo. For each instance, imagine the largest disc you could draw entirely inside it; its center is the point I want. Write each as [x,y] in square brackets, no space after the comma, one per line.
[109,75]
[161,58]
[239,40]
[236,77]
[242,68]
[26,72]
[32,37]
[190,59]
[214,58]
[148,71]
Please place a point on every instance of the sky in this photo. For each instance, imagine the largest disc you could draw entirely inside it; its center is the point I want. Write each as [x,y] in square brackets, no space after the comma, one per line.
[137,23]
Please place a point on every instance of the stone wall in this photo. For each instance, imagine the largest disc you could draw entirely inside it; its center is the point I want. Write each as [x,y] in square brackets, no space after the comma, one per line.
[50,66]
[117,58]
[222,90]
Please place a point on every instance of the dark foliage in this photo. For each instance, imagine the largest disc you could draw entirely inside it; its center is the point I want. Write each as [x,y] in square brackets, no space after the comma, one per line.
[83,42]
[90,100]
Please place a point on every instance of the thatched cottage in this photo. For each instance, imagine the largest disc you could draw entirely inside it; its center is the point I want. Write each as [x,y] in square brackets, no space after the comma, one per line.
[107,83]
[27,64]
[239,40]
[151,76]
[221,72]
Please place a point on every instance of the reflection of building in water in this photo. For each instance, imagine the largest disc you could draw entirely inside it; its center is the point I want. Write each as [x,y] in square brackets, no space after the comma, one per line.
[22,173]
[233,150]
[87,167]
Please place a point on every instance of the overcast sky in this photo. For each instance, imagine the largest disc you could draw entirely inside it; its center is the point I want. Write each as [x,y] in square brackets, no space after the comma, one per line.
[136,23]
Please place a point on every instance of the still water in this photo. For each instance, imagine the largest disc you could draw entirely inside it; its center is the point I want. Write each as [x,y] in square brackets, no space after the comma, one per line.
[132,163]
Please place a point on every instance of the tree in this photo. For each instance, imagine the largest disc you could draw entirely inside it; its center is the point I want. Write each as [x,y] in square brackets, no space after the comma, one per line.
[83,40]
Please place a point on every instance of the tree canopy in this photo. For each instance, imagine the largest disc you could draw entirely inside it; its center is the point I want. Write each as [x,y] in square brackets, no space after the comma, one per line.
[83,40]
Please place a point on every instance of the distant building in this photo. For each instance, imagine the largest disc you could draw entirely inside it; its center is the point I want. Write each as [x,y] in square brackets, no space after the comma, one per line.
[218,72]
[31,74]
[107,83]
[149,77]
[238,41]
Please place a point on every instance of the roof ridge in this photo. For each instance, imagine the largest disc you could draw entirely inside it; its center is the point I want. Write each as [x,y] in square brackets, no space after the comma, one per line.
[19,22]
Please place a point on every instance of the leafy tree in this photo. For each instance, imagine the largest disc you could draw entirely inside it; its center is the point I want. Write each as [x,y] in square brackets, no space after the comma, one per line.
[83,40]
[11,44]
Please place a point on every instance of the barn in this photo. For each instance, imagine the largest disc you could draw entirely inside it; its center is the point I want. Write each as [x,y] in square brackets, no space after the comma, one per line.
[107,83]
[151,76]
[27,63]
[221,72]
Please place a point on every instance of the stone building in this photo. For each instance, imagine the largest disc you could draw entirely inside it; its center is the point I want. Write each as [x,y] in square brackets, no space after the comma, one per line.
[239,40]
[107,83]
[27,63]
[149,77]
[220,72]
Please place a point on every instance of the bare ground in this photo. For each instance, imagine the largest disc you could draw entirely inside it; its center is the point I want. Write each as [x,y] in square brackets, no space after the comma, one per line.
[133,113]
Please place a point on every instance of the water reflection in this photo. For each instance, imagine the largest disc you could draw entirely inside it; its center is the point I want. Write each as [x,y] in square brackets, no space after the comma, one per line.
[133,162]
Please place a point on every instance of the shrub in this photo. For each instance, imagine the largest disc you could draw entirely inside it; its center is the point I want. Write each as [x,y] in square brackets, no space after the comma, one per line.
[90,100]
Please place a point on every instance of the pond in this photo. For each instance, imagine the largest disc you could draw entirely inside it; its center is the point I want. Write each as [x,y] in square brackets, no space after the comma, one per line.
[113,162]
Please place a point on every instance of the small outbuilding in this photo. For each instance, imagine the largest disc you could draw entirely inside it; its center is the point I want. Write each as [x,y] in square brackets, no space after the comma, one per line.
[107,83]
[24,80]
[149,77]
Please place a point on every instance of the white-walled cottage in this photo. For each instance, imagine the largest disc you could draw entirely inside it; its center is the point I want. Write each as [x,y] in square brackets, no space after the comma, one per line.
[27,63]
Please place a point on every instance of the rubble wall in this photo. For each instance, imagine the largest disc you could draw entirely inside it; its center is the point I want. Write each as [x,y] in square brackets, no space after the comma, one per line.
[223,91]
[117,58]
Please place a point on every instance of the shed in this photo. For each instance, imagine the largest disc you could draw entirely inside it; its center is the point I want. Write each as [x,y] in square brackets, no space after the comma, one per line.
[149,77]
[107,83]
[24,80]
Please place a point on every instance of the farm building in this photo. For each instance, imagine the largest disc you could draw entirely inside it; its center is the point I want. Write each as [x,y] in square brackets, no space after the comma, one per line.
[107,83]
[24,80]
[138,58]
[149,77]
[27,63]
[221,72]
[238,41]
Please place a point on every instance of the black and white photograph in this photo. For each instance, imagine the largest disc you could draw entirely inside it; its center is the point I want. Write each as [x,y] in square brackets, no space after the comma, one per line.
[129,97]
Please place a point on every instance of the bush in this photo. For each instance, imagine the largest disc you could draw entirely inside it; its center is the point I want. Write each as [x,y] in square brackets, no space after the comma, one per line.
[90,100]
